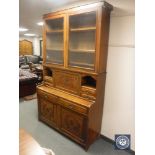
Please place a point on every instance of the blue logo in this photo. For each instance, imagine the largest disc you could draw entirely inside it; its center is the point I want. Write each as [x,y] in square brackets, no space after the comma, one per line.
[122,142]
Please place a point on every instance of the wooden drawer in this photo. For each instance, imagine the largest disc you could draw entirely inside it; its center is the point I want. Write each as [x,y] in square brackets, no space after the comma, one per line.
[73,106]
[67,81]
[88,91]
[47,96]
[88,96]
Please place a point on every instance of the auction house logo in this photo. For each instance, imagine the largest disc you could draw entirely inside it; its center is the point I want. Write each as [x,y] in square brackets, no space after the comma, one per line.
[122,142]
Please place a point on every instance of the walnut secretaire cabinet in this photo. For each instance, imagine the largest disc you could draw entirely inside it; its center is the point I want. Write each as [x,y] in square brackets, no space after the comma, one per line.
[75,43]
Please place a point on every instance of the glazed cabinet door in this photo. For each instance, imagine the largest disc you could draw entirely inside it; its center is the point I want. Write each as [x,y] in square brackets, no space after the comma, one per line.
[47,109]
[73,124]
[54,36]
[82,35]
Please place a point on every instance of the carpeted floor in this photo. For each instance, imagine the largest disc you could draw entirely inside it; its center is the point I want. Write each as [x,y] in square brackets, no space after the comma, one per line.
[49,138]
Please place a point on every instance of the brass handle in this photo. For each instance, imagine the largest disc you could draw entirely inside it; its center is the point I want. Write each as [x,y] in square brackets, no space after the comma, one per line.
[71,106]
[87,92]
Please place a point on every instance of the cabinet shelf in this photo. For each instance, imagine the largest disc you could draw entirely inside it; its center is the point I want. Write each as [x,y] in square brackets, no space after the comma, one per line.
[54,31]
[51,49]
[82,29]
[55,62]
[82,50]
[81,64]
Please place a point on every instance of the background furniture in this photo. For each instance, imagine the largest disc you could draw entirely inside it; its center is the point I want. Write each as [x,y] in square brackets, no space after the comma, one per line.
[39,72]
[74,66]
[27,145]
[25,47]
[25,60]
[27,83]
[30,74]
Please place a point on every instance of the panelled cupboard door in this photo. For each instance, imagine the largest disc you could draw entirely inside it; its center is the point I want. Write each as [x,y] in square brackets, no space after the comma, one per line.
[54,38]
[48,111]
[73,124]
[82,38]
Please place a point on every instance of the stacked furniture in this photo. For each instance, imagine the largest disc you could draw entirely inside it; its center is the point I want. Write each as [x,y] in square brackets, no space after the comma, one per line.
[29,146]
[27,83]
[29,75]
[25,47]
[70,99]
[25,60]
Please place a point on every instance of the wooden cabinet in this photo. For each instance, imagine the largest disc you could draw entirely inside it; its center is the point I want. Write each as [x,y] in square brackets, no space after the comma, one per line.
[25,47]
[75,44]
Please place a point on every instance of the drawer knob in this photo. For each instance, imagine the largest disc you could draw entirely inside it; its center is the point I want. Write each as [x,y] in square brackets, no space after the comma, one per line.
[46,96]
[71,106]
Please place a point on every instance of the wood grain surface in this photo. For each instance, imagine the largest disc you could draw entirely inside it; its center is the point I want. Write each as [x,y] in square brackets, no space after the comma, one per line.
[27,145]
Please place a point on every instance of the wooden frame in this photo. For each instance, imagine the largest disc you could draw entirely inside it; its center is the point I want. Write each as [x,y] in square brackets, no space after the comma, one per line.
[41,47]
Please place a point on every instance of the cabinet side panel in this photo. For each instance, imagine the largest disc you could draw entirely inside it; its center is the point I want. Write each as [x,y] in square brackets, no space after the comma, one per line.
[100,99]
[96,111]
[104,40]
[44,44]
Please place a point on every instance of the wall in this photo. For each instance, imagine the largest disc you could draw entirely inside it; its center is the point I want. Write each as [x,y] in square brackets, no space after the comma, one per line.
[118,116]
[36,43]
[36,46]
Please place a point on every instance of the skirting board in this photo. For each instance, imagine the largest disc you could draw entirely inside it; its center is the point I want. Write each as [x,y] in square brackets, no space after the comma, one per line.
[112,142]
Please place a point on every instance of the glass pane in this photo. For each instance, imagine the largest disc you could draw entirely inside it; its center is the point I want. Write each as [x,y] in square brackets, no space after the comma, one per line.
[55,57]
[82,40]
[81,59]
[54,24]
[83,20]
[54,41]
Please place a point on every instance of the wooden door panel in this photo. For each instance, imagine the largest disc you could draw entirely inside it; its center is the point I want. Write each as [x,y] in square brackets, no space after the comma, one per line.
[73,124]
[67,81]
[48,111]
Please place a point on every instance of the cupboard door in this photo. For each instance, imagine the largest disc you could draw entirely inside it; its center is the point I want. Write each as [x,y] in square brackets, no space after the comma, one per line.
[48,111]
[82,34]
[55,40]
[73,124]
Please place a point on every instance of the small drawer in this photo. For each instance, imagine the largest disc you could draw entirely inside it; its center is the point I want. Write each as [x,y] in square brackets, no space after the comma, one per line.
[88,96]
[73,106]
[46,96]
[88,91]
